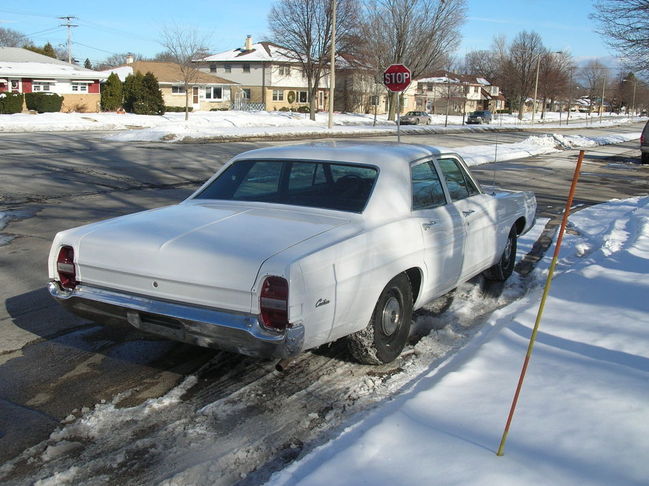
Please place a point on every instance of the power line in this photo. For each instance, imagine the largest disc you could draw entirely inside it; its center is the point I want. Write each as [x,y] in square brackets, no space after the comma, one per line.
[26,14]
[95,48]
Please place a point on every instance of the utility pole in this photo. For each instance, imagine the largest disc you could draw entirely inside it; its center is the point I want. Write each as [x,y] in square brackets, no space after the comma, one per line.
[68,23]
[332,79]
[536,87]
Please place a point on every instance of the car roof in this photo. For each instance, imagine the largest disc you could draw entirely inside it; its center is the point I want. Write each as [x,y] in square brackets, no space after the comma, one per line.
[381,154]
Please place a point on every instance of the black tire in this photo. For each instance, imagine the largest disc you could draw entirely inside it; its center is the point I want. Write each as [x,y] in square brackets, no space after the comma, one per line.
[387,332]
[502,270]
[645,157]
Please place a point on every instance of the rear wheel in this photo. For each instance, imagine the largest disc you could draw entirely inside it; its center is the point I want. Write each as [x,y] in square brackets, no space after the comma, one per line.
[645,157]
[387,332]
[502,270]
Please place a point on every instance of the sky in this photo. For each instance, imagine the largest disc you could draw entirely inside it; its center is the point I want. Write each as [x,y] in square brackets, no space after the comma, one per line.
[105,28]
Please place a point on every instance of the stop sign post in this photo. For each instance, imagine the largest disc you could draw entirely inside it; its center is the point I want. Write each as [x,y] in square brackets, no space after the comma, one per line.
[397,78]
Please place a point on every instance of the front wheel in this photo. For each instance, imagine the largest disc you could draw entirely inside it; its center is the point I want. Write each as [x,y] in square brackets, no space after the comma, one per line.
[502,270]
[387,332]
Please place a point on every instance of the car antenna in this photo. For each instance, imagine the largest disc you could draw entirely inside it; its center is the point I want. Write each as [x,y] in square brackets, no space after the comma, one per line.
[495,162]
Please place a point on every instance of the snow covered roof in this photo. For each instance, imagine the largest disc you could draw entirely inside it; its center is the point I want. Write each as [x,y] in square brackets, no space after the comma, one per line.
[258,52]
[23,63]
[448,77]
[165,72]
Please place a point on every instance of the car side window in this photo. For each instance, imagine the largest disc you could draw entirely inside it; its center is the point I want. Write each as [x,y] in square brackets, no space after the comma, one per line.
[427,191]
[459,184]
[261,178]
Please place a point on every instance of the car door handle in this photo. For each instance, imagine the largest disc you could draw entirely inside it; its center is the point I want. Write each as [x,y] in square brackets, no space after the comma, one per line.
[467,213]
[429,225]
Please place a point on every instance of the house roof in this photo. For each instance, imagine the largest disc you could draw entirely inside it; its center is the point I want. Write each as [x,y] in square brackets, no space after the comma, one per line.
[165,72]
[449,77]
[18,62]
[259,52]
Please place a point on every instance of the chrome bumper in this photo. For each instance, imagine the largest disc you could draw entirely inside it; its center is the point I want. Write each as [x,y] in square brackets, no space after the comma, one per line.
[210,328]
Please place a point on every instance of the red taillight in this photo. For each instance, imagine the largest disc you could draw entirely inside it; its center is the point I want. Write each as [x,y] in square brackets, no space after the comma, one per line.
[641,139]
[273,303]
[66,269]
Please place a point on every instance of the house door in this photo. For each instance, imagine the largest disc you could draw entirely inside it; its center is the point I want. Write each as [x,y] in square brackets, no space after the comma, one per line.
[195,101]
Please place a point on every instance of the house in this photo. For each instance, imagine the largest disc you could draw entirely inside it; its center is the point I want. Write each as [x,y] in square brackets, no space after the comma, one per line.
[24,71]
[458,93]
[207,91]
[269,77]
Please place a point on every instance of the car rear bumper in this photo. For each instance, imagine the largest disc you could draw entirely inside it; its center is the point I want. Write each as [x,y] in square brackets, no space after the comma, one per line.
[210,328]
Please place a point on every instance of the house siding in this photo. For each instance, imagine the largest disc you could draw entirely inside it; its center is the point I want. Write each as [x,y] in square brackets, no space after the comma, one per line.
[81,103]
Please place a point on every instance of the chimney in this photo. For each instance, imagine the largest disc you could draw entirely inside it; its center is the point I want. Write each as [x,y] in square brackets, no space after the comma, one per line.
[248,44]
[129,59]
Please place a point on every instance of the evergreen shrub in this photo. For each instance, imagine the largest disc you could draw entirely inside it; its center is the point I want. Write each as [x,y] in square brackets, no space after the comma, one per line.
[177,109]
[11,103]
[112,93]
[44,102]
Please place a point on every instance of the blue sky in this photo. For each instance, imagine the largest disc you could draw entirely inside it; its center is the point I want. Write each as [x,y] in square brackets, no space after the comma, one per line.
[135,25]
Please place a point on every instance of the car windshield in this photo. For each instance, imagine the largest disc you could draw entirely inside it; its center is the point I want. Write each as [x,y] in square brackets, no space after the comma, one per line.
[479,113]
[342,187]
[412,113]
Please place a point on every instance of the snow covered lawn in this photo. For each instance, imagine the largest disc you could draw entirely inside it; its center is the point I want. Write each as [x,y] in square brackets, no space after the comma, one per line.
[583,416]
[238,124]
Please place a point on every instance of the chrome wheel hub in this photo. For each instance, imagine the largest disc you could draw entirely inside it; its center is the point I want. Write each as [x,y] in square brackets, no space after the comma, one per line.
[391,316]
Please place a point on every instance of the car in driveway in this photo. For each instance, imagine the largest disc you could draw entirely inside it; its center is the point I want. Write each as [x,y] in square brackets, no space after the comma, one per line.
[644,144]
[288,248]
[415,118]
[480,116]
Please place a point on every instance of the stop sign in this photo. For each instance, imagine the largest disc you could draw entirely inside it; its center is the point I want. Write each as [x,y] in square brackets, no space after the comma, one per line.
[397,77]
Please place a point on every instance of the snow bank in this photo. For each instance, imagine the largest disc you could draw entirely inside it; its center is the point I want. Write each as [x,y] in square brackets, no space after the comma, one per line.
[582,417]
[535,145]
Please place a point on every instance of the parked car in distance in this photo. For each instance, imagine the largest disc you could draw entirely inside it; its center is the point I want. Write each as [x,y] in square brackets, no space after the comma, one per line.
[481,116]
[415,118]
[288,248]
[644,144]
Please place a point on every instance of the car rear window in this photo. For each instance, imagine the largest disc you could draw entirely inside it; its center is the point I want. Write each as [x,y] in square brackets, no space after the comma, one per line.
[342,187]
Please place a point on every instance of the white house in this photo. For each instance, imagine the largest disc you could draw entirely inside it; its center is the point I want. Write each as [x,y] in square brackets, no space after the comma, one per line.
[268,76]
[24,71]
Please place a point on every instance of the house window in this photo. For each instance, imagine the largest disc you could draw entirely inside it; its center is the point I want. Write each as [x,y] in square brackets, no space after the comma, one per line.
[41,86]
[278,95]
[246,68]
[228,68]
[79,88]
[15,86]
[245,93]
[213,67]
[177,90]
[476,89]
[302,96]
[285,70]
[214,93]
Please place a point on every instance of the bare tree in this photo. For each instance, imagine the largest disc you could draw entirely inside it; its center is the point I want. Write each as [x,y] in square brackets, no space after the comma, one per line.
[595,77]
[303,27]
[417,33]
[554,77]
[184,46]
[117,60]
[625,23]
[12,38]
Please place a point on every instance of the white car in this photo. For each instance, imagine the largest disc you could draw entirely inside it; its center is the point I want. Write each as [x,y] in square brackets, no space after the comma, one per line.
[288,248]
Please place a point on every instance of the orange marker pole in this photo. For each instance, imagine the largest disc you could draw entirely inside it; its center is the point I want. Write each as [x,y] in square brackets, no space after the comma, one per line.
[546,290]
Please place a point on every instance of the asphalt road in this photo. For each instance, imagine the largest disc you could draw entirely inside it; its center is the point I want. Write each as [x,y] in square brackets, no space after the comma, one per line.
[53,364]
